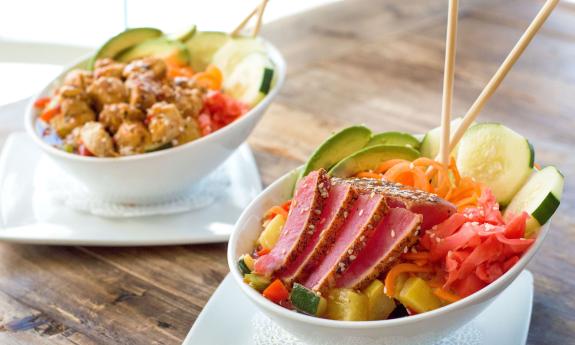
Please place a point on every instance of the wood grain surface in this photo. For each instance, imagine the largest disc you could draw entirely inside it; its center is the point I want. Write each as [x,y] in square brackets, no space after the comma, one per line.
[378,62]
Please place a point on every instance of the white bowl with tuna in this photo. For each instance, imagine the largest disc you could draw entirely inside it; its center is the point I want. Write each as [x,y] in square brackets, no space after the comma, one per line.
[422,328]
[154,176]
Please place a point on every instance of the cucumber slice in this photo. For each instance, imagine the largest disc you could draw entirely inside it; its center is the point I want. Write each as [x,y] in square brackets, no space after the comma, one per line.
[251,80]
[184,35]
[395,139]
[124,41]
[430,143]
[497,157]
[539,197]
[234,51]
[307,301]
[370,158]
[159,47]
[202,47]
[337,147]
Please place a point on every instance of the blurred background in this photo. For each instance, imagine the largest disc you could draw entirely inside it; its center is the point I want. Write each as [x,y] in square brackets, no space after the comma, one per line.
[29,29]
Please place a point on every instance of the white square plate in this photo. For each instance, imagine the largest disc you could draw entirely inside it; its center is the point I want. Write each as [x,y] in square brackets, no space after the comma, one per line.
[505,321]
[27,218]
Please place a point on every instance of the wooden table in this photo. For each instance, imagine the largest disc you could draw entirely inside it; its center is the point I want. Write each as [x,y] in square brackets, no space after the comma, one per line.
[364,61]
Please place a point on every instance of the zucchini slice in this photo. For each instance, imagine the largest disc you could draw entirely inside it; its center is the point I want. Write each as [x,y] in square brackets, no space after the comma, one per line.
[251,79]
[394,138]
[307,301]
[497,157]
[259,283]
[539,197]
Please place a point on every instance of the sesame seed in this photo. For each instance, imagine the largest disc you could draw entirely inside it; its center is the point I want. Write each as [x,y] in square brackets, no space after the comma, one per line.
[392,233]
[352,257]
[404,250]
[360,212]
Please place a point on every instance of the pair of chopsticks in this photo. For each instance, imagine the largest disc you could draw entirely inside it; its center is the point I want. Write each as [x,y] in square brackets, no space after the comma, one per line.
[448,141]
[259,10]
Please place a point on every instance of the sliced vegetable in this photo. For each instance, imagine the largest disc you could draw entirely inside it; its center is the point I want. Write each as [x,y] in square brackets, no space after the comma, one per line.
[41,102]
[337,147]
[251,79]
[347,305]
[539,197]
[185,35]
[417,295]
[234,50]
[202,47]
[307,301]
[430,144]
[243,264]
[396,271]
[371,158]
[256,281]
[379,305]
[395,139]
[269,237]
[496,156]
[276,292]
[123,41]
[162,47]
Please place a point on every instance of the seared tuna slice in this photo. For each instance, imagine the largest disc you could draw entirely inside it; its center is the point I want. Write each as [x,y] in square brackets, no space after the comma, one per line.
[394,234]
[339,201]
[366,213]
[301,223]
[433,209]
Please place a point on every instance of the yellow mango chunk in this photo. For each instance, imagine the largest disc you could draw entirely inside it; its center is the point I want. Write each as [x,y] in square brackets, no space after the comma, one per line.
[269,237]
[417,295]
[379,305]
[347,305]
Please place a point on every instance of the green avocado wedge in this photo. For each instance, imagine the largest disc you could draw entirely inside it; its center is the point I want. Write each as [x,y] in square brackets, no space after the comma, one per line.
[370,158]
[158,47]
[395,139]
[123,41]
[185,35]
[337,147]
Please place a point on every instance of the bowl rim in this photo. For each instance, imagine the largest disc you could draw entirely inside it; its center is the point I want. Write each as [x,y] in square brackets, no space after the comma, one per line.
[31,116]
[488,292]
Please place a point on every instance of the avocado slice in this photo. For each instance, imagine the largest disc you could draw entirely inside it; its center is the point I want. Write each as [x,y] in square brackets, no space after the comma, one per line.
[394,138]
[184,35]
[370,158]
[123,41]
[203,45]
[337,147]
[160,48]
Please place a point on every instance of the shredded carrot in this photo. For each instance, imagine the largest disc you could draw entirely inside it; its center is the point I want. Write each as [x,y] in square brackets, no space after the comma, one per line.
[430,176]
[263,251]
[275,210]
[398,269]
[211,78]
[286,205]
[445,295]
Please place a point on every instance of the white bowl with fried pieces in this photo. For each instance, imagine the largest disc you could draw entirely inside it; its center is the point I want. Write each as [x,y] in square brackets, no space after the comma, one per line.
[160,175]
[425,328]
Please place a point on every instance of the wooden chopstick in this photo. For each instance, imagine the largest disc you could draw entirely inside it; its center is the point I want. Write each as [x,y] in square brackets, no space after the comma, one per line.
[243,23]
[448,76]
[498,77]
[261,10]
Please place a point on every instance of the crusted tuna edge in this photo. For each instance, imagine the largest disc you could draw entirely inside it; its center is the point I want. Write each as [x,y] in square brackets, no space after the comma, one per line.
[353,248]
[319,196]
[326,239]
[409,240]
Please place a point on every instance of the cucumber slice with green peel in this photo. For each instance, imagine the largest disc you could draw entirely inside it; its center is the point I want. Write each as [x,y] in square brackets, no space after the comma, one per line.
[123,41]
[370,158]
[496,156]
[395,139]
[251,79]
[229,55]
[337,147]
[430,144]
[159,47]
[184,35]
[202,46]
[307,301]
[539,197]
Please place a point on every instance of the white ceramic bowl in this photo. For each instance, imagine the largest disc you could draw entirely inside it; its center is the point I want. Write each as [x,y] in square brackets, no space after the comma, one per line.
[156,176]
[419,329]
